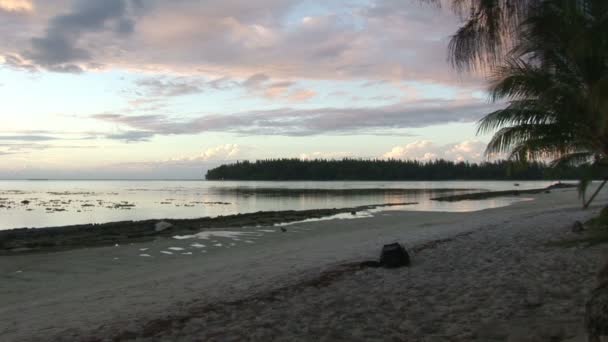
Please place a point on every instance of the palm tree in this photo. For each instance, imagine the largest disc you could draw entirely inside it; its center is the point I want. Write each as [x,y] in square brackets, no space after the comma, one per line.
[487,33]
[490,28]
[555,79]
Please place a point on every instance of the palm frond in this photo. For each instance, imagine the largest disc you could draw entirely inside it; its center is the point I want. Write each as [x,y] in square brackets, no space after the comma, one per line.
[573,159]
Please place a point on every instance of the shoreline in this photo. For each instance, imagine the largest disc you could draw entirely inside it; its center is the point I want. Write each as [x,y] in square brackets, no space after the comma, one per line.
[503,193]
[40,240]
[497,255]
[48,239]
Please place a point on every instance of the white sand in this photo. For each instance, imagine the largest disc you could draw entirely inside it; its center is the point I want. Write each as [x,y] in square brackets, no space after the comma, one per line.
[88,292]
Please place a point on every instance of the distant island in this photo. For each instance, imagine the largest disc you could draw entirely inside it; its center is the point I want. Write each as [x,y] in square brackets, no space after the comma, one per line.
[393,170]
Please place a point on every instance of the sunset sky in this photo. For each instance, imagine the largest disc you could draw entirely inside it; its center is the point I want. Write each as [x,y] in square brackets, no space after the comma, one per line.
[167,89]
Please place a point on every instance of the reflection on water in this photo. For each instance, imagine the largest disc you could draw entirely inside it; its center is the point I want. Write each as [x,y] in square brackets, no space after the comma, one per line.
[55,203]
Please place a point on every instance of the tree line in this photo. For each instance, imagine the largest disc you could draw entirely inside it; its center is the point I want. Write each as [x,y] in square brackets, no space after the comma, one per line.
[385,170]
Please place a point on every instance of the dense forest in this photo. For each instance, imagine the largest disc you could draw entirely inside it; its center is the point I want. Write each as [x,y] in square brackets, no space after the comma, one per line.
[379,169]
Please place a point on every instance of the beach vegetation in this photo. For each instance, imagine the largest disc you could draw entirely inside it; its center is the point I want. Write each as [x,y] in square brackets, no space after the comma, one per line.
[547,60]
[595,233]
[393,169]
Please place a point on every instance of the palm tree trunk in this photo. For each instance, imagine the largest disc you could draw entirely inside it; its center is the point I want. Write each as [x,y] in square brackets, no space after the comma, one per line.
[586,204]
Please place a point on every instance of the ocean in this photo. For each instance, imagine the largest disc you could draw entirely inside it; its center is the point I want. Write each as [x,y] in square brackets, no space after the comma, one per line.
[48,203]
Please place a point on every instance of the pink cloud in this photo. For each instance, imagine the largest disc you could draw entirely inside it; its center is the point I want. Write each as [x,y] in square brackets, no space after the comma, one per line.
[326,155]
[384,40]
[302,122]
[302,95]
[425,150]
[16,5]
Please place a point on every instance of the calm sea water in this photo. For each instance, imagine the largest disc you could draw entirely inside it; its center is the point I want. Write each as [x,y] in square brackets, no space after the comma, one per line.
[56,203]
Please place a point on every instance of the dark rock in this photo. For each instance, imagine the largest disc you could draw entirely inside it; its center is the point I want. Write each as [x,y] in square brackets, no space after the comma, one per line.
[283,229]
[353,213]
[516,184]
[394,255]
[25,202]
[577,227]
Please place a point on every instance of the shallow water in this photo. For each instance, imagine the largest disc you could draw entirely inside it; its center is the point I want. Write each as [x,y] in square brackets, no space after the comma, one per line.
[57,203]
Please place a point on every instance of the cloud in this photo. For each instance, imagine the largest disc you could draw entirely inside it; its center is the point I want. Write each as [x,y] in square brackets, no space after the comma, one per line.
[155,89]
[28,137]
[255,81]
[16,62]
[325,155]
[425,150]
[16,5]
[130,136]
[179,167]
[379,40]
[306,122]
[14,148]
[418,150]
[302,95]
[217,153]
[262,85]
[165,87]
[62,49]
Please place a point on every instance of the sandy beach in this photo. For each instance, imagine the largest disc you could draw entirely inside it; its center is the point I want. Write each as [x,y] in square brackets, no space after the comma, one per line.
[489,276]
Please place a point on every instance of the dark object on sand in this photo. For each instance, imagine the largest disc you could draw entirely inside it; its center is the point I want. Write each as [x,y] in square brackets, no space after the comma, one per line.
[596,309]
[516,184]
[283,229]
[394,255]
[25,202]
[577,227]
[353,213]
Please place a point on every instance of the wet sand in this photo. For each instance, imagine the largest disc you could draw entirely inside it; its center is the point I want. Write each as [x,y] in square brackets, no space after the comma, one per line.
[108,292]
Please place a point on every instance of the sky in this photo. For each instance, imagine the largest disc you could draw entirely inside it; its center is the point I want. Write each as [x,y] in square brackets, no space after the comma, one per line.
[158,89]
